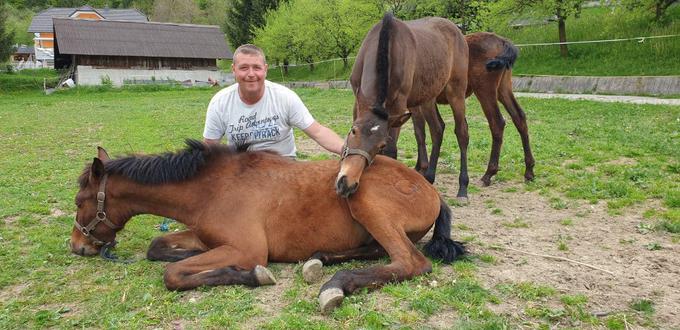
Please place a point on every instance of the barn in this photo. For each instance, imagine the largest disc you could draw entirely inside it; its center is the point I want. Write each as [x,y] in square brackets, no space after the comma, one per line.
[99,51]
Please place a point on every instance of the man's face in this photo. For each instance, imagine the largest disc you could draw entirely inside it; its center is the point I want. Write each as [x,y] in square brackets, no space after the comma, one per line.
[250,72]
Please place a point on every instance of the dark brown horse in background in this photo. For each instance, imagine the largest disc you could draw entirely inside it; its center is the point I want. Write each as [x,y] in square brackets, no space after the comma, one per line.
[489,78]
[401,66]
[245,209]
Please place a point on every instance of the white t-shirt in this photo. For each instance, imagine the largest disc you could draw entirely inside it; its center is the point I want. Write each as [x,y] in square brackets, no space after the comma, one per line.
[265,125]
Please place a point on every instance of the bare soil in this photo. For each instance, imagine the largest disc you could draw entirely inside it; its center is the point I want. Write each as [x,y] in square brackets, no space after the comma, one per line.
[614,244]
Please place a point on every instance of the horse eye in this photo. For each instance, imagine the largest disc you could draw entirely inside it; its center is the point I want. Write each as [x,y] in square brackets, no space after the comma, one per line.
[354,130]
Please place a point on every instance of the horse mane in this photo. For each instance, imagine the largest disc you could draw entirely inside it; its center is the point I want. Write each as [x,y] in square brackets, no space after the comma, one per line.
[382,65]
[167,167]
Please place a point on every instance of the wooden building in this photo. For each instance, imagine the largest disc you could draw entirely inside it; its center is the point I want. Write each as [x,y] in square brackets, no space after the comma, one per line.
[138,50]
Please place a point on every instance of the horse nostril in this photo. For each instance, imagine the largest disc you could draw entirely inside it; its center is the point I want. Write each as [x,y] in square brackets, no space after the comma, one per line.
[82,251]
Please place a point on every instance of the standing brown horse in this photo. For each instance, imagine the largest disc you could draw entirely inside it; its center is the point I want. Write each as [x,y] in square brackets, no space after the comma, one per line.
[401,66]
[245,209]
[489,78]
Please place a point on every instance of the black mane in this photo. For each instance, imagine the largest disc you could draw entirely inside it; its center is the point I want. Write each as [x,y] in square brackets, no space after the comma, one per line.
[167,167]
[383,65]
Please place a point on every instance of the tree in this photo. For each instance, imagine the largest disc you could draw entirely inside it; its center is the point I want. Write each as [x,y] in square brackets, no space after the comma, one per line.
[246,16]
[175,11]
[465,13]
[6,36]
[657,6]
[309,30]
[343,24]
[560,9]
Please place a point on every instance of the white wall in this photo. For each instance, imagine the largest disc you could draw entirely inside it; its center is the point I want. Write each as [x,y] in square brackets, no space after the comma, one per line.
[87,75]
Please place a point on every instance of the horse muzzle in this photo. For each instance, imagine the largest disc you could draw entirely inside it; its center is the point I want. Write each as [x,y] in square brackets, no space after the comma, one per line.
[84,250]
[343,188]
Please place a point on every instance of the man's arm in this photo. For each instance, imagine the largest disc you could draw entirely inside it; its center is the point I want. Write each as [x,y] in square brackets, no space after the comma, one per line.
[325,137]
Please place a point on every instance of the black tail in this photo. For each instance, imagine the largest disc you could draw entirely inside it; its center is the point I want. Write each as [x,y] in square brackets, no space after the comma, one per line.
[383,63]
[441,246]
[506,59]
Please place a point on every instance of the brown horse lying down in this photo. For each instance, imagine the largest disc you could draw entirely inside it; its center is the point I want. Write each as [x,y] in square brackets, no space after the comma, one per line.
[245,209]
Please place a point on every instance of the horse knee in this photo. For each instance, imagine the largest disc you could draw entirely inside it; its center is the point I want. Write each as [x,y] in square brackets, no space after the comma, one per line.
[172,277]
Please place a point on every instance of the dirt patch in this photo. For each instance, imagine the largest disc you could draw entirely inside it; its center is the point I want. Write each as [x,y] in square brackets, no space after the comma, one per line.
[10,220]
[623,161]
[12,291]
[55,213]
[583,232]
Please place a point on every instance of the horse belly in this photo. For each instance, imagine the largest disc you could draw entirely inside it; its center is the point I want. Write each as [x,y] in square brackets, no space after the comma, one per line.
[327,234]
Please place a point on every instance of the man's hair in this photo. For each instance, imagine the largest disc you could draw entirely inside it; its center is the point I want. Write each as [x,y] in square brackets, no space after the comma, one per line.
[250,49]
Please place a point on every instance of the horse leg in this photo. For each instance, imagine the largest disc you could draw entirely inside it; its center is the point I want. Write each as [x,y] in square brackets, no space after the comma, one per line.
[407,262]
[488,100]
[312,269]
[223,265]
[437,125]
[419,130]
[391,144]
[507,98]
[175,246]
[456,97]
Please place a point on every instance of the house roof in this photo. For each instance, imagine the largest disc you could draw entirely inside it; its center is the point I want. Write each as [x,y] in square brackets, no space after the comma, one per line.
[147,39]
[23,49]
[42,21]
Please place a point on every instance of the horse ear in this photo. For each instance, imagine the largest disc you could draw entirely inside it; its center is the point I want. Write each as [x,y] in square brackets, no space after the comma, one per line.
[102,154]
[97,169]
[397,121]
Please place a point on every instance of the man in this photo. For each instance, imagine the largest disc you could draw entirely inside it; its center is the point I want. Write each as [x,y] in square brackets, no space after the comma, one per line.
[262,113]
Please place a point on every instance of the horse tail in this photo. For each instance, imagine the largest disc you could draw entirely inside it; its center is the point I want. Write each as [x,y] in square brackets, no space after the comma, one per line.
[506,59]
[383,60]
[441,246]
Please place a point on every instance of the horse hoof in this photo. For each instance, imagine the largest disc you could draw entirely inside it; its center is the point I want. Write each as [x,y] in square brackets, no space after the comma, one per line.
[264,276]
[312,271]
[329,299]
[486,182]
[462,200]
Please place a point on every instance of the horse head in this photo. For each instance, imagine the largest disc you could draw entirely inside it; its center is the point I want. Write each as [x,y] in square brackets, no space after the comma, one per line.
[366,139]
[95,223]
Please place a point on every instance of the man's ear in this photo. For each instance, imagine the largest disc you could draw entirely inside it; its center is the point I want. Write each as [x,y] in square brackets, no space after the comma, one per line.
[97,169]
[102,154]
[397,121]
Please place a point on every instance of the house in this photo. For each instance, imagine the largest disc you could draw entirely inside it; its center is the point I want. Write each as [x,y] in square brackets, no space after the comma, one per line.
[21,53]
[126,52]
[42,27]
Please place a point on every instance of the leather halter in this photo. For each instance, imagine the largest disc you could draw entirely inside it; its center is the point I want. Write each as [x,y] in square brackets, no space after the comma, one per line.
[346,151]
[99,217]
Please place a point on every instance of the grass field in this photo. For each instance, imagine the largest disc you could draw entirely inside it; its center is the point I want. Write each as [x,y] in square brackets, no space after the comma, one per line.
[625,156]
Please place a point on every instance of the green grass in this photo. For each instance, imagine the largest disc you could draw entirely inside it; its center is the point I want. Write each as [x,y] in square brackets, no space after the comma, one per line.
[47,141]
[28,80]
[628,58]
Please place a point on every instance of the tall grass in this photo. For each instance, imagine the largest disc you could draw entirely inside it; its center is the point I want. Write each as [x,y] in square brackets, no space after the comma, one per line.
[625,58]
[31,79]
